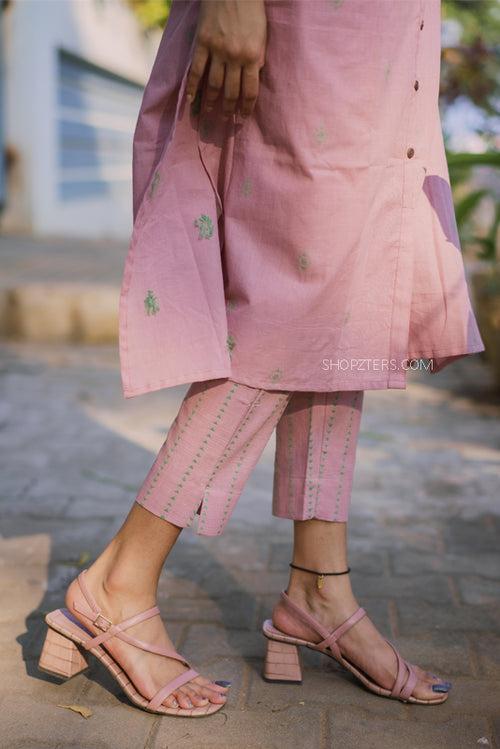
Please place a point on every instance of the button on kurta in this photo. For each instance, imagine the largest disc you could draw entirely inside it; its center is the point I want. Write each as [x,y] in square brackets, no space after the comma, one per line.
[410,152]
[416,85]
[421,25]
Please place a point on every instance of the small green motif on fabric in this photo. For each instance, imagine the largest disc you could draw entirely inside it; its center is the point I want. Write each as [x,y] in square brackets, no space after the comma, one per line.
[151,303]
[303,261]
[231,343]
[205,226]
[276,375]
[231,304]
[246,188]
[154,183]
[335,3]
[320,134]
[387,70]
[196,103]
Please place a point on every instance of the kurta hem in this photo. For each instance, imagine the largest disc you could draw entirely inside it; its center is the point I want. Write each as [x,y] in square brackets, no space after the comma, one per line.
[323,222]
[149,387]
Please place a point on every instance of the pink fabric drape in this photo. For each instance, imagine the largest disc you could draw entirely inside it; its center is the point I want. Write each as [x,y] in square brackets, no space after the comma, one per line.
[312,247]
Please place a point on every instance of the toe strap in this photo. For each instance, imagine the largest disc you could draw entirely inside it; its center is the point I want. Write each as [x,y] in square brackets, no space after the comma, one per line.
[406,678]
[172,685]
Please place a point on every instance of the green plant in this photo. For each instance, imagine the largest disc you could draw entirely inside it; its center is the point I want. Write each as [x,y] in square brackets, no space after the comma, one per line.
[152,14]
[460,167]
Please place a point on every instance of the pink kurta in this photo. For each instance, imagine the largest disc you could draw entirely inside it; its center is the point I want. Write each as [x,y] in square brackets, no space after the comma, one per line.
[312,246]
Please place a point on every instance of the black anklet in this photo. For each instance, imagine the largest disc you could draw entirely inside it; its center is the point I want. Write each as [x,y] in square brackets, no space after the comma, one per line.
[321,575]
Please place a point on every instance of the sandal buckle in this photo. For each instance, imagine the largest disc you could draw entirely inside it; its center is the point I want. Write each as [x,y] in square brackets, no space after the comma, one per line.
[98,622]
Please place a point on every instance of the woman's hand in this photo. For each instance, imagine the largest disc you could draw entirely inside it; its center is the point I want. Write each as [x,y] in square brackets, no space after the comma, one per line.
[232,35]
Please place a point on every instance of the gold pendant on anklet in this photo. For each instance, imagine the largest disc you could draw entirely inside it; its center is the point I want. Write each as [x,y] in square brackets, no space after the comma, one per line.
[319,581]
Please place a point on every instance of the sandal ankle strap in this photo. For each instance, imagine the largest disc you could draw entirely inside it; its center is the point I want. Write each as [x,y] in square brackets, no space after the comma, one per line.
[330,637]
[111,630]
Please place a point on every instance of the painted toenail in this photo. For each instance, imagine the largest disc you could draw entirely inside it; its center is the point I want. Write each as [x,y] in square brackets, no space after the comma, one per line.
[223,683]
[440,688]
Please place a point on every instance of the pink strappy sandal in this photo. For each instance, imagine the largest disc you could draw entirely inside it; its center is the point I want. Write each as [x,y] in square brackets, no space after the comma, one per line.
[282,664]
[66,638]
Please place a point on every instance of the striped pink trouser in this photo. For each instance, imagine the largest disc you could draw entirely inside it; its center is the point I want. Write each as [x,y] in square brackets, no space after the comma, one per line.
[218,436]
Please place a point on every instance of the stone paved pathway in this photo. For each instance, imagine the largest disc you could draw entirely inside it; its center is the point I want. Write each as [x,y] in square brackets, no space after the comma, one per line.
[425,552]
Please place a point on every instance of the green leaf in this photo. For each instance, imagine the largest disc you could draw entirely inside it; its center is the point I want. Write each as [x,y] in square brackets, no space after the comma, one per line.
[465,207]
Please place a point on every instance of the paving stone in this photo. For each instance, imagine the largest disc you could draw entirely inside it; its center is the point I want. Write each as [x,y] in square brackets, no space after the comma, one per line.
[240,551]
[468,697]
[255,583]
[423,587]
[27,507]
[26,679]
[487,650]
[68,540]
[466,536]
[404,534]
[32,636]
[80,508]
[235,670]
[424,538]
[334,689]
[233,611]
[25,720]
[444,653]
[207,640]
[255,729]
[496,730]
[366,563]
[351,728]
[418,616]
[411,563]
[176,585]
[478,590]
[30,589]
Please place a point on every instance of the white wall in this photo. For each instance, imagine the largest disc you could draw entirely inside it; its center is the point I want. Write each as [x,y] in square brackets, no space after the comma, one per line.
[103,32]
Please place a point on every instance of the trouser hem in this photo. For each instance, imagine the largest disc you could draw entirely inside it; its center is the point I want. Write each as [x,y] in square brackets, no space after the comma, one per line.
[343,518]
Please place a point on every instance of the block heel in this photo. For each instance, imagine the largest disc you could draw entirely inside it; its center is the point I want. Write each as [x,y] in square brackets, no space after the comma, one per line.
[282,664]
[60,656]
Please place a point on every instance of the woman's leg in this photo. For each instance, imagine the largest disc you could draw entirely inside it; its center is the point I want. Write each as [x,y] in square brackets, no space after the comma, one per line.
[209,452]
[315,458]
[315,454]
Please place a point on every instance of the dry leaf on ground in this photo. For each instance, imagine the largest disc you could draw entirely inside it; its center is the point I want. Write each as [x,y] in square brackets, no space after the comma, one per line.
[85,711]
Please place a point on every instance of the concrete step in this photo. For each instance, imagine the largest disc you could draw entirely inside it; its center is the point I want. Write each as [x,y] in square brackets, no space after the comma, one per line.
[63,311]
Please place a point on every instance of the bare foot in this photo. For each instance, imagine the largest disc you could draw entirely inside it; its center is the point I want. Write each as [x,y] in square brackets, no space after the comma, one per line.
[362,645]
[148,671]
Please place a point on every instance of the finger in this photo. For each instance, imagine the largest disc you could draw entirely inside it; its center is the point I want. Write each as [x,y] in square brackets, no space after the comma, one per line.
[249,88]
[196,69]
[232,84]
[215,81]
